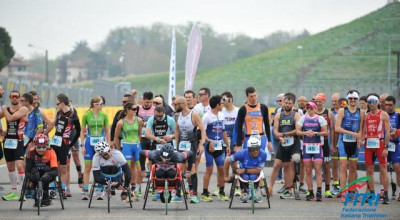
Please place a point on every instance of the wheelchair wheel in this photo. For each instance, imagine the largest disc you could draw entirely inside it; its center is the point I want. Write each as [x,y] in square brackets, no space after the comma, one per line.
[23,189]
[129,196]
[91,194]
[167,196]
[59,188]
[266,190]
[232,192]
[146,193]
[184,194]
[39,195]
[108,192]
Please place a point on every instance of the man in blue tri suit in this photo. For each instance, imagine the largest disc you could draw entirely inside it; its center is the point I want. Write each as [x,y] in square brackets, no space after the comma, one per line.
[251,163]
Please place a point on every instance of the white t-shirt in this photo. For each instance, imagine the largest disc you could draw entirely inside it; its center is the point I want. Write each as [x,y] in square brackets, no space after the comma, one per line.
[230,117]
[321,120]
[116,159]
[201,110]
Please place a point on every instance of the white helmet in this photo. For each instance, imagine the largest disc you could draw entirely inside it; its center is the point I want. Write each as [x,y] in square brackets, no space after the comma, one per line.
[102,147]
[253,142]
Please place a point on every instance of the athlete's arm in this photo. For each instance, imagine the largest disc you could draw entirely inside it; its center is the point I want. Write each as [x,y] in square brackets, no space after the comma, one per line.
[386,121]
[361,131]
[114,125]
[276,127]
[77,126]
[199,124]
[20,113]
[83,133]
[45,118]
[128,175]
[240,120]
[331,127]
[265,114]
[141,124]
[118,129]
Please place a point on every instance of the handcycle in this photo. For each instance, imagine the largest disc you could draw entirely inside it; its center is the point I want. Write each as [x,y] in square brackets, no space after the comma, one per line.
[237,178]
[165,186]
[109,188]
[39,192]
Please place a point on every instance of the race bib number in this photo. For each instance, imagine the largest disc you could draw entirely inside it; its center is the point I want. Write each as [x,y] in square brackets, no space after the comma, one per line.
[144,132]
[392,147]
[185,145]
[312,148]
[348,138]
[217,145]
[159,146]
[11,144]
[26,140]
[373,143]
[56,141]
[289,141]
[94,140]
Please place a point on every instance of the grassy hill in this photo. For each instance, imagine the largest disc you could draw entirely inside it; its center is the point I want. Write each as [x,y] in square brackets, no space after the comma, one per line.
[352,55]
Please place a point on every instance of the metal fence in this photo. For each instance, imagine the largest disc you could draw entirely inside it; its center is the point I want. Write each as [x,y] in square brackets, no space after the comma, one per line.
[113,92]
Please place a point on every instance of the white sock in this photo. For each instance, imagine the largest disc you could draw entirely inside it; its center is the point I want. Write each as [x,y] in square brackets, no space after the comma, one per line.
[13,180]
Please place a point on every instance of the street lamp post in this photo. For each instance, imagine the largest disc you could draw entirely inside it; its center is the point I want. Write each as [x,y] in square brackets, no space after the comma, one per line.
[46,59]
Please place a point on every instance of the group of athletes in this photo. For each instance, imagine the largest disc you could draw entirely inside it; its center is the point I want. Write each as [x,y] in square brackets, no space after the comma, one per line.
[150,131]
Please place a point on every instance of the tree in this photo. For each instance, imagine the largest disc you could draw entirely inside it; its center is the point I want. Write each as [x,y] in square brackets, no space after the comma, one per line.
[6,50]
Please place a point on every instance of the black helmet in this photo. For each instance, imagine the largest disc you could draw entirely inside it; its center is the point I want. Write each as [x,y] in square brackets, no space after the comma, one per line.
[166,151]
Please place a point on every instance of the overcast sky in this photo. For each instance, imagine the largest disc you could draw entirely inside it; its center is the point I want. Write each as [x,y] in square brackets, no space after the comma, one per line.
[58,24]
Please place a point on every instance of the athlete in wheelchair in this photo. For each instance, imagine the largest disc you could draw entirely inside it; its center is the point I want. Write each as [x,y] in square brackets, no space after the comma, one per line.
[165,168]
[249,172]
[41,168]
[110,169]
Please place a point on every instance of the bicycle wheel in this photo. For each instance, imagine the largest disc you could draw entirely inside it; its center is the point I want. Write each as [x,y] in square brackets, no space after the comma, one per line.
[232,193]
[23,189]
[108,192]
[39,195]
[146,193]
[266,190]
[184,193]
[166,197]
[58,186]
[253,195]
[91,194]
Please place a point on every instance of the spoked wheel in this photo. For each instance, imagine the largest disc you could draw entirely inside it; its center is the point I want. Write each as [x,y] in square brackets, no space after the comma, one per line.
[91,194]
[39,196]
[184,194]
[253,195]
[166,197]
[59,187]
[266,190]
[23,189]
[108,194]
[232,193]
[129,196]
[146,193]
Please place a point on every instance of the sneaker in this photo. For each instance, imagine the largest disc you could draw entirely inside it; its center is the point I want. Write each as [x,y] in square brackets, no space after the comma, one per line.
[194,199]
[282,189]
[310,196]
[328,194]
[258,199]
[302,190]
[68,193]
[52,194]
[206,198]
[335,191]
[138,194]
[222,196]
[46,203]
[237,192]
[216,192]
[156,197]
[319,196]
[100,195]
[287,194]
[244,197]
[176,199]
[11,196]
[385,198]
[29,194]
[84,195]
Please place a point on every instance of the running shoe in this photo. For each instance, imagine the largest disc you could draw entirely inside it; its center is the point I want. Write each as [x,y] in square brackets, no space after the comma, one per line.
[237,192]
[176,199]
[68,193]
[319,196]
[282,189]
[287,194]
[335,191]
[222,196]
[206,198]
[385,198]
[100,195]
[194,199]
[302,190]
[156,197]
[11,196]
[84,195]
[310,196]
[244,197]
[216,192]
[328,194]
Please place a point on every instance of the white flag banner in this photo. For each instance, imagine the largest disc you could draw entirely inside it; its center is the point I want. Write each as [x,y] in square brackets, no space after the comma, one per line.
[172,69]
[192,56]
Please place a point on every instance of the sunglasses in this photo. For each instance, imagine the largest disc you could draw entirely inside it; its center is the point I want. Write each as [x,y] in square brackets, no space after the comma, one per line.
[201,94]
[134,109]
[278,100]
[389,105]
[158,116]
[124,102]
[352,98]
[100,103]
[58,103]
[40,147]
[103,154]
[14,97]
[373,102]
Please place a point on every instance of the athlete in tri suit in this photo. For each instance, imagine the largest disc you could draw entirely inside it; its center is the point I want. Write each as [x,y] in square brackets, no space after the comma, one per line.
[160,128]
[349,124]
[377,138]
[289,145]
[334,145]
[320,100]
[94,129]
[34,123]
[130,128]
[255,119]
[214,148]
[394,146]
[186,138]
[62,142]
[16,117]
[313,128]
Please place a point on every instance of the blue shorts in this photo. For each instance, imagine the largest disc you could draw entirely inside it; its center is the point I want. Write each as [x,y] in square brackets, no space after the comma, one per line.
[394,157]
[264,142]
[247,176]
[219,161]
[117,178]
[89,149]
[342,151]
[129,150]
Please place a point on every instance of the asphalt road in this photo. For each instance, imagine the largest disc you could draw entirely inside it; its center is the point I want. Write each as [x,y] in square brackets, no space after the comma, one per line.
[75,208]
